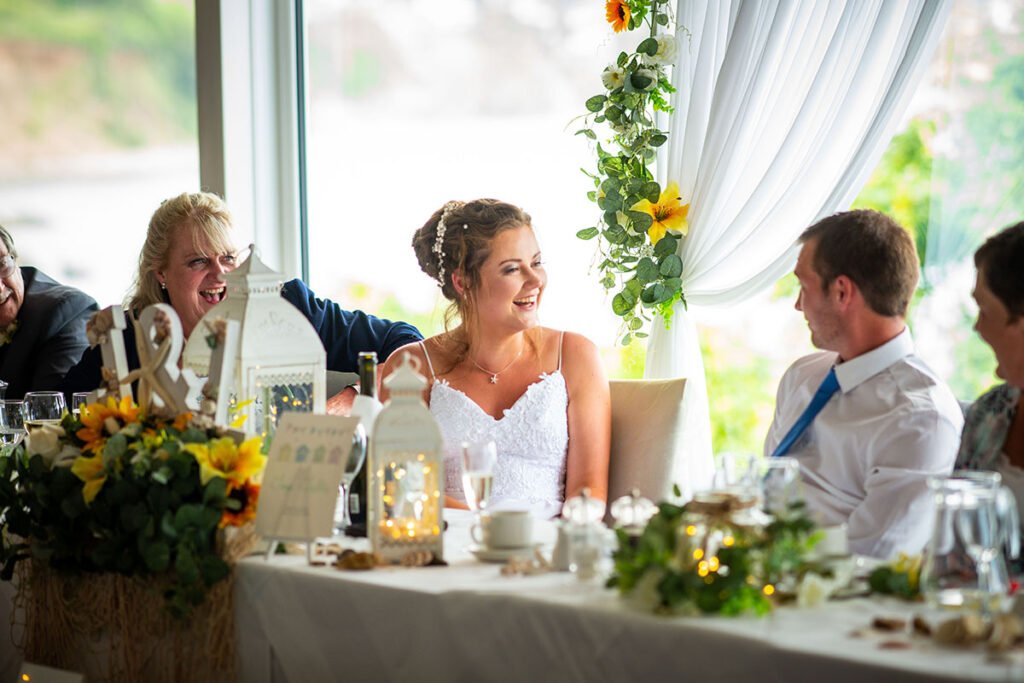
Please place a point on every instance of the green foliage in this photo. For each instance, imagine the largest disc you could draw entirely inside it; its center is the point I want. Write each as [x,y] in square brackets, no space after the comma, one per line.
[152,517]
[741,392]
[693,558]
[644,271]
[901,183]
[900,578]
[128,64]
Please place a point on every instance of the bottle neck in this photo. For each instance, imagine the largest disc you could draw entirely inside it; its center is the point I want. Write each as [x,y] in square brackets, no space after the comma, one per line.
[368,375]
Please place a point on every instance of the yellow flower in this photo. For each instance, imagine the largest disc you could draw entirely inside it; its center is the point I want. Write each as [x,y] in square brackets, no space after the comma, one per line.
[89,470]
[617,14]
[909,565]
[222,458]
[248,495]
[668,214]
[94,417]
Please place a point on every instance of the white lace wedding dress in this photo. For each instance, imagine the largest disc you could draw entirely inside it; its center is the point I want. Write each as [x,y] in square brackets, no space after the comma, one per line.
[532,438]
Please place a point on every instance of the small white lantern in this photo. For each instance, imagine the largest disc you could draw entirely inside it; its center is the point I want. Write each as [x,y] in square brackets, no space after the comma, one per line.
[406,468]
[279,362]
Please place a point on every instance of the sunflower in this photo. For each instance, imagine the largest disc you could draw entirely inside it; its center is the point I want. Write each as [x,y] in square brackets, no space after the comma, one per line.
[222,458]
[91,471]
[617,14]
[667,213]
[92,417]
[247,496]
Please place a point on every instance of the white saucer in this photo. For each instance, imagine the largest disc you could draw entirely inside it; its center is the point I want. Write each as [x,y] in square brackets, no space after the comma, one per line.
[485,554]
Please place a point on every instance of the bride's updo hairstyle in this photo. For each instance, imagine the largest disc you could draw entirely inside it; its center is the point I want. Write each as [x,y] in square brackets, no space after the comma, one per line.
[457,238]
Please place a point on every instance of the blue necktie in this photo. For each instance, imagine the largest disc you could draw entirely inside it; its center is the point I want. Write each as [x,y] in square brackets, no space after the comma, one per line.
[829,386]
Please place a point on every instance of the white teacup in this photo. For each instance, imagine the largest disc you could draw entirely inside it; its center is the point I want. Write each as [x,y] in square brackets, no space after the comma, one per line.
[501,529]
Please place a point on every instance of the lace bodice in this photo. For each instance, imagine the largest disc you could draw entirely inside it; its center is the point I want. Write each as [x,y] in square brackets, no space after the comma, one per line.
[532,438]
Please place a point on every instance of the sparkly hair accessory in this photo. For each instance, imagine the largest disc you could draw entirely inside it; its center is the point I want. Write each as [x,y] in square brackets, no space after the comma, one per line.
[439,240]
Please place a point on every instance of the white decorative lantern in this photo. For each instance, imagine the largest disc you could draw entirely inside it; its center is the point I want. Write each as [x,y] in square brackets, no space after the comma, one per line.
[406,470]
[277,362]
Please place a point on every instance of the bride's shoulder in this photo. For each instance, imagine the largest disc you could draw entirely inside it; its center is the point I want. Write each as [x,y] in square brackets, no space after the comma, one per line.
[414,349]
[576,351]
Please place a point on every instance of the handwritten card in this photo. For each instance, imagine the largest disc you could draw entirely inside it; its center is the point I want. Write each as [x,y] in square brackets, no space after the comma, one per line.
[304,468]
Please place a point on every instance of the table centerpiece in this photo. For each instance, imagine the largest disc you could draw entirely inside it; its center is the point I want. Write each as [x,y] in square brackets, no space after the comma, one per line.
[119,527]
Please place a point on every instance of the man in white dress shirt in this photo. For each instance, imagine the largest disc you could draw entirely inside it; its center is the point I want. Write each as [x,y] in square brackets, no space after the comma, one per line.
[886,422]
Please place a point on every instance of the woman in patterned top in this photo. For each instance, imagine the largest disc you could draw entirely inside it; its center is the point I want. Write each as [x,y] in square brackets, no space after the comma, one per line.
[993,437]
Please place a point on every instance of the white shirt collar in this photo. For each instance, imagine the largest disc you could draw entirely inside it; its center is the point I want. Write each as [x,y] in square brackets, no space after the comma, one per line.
[867,365]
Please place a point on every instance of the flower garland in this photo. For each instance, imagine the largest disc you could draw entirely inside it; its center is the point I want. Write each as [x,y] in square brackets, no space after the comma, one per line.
[641,222]
[711,556]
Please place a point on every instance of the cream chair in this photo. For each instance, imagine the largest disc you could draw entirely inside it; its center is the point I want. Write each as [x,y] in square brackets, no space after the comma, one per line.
[646,435]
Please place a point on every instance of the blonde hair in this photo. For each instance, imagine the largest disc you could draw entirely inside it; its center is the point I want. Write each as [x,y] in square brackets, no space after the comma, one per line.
[203,213]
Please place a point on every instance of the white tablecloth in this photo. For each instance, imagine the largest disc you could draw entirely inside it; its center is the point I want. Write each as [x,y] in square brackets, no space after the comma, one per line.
[466,622]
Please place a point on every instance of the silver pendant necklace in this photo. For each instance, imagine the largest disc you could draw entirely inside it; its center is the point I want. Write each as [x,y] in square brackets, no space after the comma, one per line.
[494,375]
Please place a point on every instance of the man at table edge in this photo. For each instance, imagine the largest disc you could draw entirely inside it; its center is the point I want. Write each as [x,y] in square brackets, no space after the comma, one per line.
[867,420]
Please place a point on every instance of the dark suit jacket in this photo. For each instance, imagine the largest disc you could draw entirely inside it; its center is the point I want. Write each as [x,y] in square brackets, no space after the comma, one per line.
[343,333]
[50,336]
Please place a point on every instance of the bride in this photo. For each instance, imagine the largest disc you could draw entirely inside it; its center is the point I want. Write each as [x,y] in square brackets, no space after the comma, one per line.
[540,394]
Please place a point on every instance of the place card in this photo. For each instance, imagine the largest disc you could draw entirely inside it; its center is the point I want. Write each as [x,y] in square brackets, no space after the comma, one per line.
[304,469]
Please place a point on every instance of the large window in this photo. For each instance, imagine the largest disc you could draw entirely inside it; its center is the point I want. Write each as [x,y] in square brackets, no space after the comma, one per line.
[413,103]
[99,121]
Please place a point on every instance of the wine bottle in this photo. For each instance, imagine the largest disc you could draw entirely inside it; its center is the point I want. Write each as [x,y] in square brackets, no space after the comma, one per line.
[365,407]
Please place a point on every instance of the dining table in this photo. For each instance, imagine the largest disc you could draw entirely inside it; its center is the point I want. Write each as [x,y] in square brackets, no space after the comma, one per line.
[468,620]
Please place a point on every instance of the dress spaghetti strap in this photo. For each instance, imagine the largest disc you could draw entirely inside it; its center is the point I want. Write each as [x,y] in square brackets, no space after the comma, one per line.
[430,366]
[561,338]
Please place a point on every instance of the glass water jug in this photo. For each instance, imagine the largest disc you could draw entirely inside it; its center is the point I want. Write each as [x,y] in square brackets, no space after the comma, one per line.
[975,522]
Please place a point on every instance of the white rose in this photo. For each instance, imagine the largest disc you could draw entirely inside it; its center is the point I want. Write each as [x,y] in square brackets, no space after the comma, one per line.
[45,441]
[813,590]
[666,53]
[613,77]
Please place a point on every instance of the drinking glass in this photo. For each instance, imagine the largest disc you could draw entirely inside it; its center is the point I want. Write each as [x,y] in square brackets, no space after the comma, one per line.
[975,521]
[12,424]
[736,473]
[78,399]
[779,484]
[353,463]
[478,459]
[42,407]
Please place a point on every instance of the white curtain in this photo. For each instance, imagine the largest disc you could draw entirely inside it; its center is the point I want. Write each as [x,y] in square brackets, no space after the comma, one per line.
[782,109]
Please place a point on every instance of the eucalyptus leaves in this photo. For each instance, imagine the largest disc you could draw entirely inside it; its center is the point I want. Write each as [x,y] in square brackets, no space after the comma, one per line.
[641,223]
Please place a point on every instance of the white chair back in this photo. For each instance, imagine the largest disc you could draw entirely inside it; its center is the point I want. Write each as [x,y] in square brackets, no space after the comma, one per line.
[646,434]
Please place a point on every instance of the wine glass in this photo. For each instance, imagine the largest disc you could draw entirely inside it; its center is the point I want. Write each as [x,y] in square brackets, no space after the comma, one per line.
[43,407]
[978,526]
[478,459]
[353,463]
[78,399]
[12,424]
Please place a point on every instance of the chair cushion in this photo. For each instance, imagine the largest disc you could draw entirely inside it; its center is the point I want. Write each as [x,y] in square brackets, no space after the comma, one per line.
[646,434]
